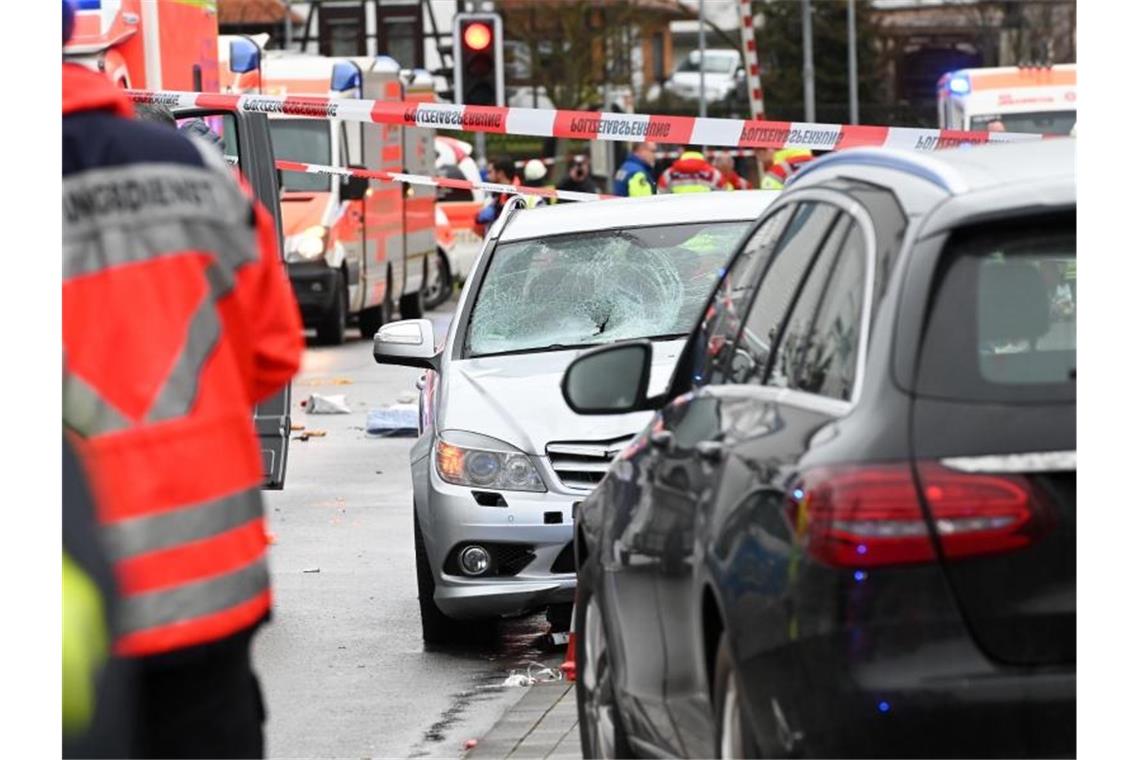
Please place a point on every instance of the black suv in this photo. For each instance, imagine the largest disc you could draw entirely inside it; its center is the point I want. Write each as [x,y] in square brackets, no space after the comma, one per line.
[850,529]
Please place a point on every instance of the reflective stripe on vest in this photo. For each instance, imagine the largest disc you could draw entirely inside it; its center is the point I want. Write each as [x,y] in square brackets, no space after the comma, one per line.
[191,600]
[191,572]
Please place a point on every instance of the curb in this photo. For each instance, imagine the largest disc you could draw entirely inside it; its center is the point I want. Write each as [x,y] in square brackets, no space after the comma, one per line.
[542,724]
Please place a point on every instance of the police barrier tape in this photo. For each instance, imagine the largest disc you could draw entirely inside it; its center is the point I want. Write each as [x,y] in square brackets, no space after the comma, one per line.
[587,125]
[419,179]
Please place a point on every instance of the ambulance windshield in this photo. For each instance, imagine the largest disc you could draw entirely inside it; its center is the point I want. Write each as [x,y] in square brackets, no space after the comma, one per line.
[1038,122]
[305,140]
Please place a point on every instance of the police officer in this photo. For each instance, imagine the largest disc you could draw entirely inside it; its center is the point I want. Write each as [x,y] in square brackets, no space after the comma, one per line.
[635,177]
[177,319]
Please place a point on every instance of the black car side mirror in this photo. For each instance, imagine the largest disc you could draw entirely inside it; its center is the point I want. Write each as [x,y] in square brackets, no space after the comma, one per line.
[612,379]
[353,188]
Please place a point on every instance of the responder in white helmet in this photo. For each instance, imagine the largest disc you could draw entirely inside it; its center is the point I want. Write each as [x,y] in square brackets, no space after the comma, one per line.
[534,174]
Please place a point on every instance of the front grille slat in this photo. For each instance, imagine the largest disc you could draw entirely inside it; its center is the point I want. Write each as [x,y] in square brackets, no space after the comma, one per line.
[583,464]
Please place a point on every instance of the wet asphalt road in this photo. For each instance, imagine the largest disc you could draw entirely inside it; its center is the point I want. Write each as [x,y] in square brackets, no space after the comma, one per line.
[343,668]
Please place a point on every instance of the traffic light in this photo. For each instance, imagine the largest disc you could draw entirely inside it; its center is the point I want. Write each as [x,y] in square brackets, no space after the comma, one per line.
[478,45]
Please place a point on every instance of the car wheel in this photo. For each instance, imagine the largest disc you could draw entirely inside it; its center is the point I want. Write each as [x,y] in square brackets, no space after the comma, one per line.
[330,330]
[438,288]
[437,627]
[599,722]
[733,736]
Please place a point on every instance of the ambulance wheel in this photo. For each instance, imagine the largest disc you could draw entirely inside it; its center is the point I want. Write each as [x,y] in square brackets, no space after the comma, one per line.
[375,317]
[438,288]
[330,331]
[412,305]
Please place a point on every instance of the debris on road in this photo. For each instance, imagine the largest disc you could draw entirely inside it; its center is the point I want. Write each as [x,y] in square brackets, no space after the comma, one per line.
[310,434]
[325,381]
[535,673]
[395,420]
[296,426]
[318,404]
[311,570]
[407,397]
[470,743]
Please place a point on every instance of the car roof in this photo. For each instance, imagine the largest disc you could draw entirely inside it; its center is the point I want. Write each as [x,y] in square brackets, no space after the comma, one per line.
[591,216]
[961,170]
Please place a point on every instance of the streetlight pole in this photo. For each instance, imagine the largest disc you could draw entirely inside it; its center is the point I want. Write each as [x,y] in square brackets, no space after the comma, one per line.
[809,66]
[701,43]
[852,64]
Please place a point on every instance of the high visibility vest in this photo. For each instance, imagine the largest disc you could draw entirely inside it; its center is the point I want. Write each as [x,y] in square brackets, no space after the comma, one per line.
[177,319]
[690,174]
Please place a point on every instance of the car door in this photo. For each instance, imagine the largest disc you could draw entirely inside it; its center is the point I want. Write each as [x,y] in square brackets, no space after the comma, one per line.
[698,436]
[770,600]
[245,137]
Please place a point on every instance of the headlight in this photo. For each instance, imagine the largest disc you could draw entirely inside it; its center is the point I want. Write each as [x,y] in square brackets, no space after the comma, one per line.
[307,245]
[502,467]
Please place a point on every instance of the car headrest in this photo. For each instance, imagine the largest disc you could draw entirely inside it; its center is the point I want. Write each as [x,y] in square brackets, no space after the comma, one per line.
[1013,302]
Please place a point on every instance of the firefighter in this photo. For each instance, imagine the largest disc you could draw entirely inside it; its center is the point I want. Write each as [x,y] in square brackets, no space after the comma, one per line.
[635,177]
[784,164]
[177,320]
[690,173]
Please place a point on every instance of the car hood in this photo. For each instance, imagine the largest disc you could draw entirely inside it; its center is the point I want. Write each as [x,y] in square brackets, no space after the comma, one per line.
[518,399]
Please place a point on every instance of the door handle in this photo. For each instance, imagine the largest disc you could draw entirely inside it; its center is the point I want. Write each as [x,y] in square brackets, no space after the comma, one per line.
[662,439]
[711,451]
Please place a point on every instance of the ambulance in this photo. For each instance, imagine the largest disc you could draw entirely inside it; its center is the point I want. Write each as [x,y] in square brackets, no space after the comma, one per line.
[1039,100]
[356,249]
[143,44]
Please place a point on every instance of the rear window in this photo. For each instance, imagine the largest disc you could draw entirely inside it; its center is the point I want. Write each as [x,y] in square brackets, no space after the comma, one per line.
[1003,323]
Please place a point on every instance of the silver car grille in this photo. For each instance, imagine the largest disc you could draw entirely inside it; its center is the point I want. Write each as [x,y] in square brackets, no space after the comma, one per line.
[582,464]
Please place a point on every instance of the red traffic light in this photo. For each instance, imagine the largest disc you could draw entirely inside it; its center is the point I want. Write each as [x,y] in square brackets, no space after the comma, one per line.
[477,36]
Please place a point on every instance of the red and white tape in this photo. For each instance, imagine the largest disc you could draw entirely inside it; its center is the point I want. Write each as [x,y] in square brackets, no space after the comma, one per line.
[588,125]
[420,179]
[751,59]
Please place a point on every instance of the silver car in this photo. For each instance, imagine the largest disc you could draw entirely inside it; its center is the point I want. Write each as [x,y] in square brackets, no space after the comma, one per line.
[501,461]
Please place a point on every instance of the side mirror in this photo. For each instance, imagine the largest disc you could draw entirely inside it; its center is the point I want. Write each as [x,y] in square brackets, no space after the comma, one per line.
[408,343]
[609,380]
[245,55]
[353,188]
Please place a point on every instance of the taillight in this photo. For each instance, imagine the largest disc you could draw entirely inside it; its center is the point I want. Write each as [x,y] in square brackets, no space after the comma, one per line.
[868,516]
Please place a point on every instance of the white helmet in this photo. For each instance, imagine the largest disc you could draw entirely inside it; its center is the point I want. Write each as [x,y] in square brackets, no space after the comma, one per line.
[534,170]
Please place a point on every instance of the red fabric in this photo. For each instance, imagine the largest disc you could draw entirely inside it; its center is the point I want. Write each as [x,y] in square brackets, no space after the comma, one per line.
[123,329]
[86,90]
[206,628]
[690,169]
[731,179]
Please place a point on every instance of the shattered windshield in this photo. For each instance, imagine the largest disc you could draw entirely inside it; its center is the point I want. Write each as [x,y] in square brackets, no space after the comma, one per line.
[581,290]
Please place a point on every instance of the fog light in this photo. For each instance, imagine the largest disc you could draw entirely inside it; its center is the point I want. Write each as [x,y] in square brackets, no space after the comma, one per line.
[474,560]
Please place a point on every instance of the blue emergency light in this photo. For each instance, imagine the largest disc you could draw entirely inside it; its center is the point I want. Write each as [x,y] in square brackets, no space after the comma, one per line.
[959,84]
[346,76]
[245,55]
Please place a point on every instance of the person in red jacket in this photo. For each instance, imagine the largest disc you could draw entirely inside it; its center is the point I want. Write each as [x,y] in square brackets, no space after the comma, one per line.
[690,173]
[177,319]
[730,180]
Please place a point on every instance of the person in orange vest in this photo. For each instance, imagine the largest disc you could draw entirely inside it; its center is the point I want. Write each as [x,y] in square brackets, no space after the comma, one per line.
[177,319]
[690,173]
[730,179]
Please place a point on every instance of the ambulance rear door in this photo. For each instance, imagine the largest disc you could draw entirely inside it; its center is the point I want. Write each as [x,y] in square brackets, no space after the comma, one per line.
[246,137]
[419,204]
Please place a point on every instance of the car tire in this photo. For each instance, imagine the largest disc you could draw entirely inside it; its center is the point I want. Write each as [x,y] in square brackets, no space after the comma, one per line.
[599,720]
[375,317]
[438,291]
[733,735]
[437,627]
[331,328]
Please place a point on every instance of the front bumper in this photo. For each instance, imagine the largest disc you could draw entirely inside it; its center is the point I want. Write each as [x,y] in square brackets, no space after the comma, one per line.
[449,516]
[313,286]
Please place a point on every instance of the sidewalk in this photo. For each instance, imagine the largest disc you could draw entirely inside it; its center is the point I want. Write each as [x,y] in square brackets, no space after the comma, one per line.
[542,724]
